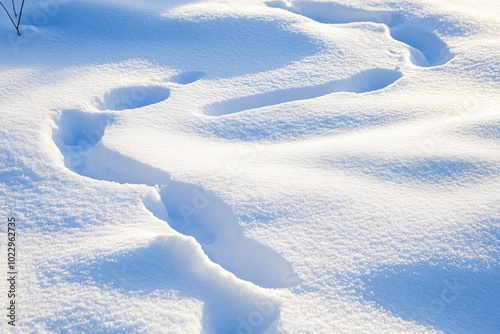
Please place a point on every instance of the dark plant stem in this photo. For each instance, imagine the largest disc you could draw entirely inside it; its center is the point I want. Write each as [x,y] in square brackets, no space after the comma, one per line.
[14,8]
[19,18]
[18,24]
[10,17]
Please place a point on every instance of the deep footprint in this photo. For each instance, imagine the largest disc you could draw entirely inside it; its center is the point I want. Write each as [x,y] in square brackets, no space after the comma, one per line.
[78,136]
[213,224]
[423,43]
[190,209]
[435,51]
[367,81]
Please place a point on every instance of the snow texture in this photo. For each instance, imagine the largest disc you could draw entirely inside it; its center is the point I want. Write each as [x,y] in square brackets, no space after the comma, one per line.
[252,166]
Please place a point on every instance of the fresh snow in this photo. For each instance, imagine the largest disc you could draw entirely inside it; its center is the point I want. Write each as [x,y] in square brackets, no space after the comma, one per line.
[211,166]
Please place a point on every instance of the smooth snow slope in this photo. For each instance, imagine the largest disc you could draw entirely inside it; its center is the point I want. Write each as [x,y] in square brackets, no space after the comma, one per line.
[253,166]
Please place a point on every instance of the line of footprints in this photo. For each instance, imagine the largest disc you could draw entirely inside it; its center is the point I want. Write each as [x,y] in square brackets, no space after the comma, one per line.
[78,135]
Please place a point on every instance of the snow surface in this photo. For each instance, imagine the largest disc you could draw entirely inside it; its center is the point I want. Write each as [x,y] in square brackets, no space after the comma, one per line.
[212,166]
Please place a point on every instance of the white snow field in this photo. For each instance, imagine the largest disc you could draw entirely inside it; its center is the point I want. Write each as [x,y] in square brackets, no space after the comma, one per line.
[251,166]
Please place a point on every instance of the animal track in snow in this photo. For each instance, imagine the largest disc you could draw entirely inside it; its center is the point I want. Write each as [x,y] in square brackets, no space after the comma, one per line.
[423,43]
[366,81]
[133,97]
[189,209]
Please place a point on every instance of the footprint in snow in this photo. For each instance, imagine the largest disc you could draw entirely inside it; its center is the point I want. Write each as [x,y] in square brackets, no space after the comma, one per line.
[366,81]
[427,48]
[133,97]
[185,78]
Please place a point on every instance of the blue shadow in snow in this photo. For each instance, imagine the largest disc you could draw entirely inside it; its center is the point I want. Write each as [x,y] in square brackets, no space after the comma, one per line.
[266,127]
[487,131]
[15,173]
[426,170]
[79,319]
[169,264]
[456,301]
[100,34]
[403,28]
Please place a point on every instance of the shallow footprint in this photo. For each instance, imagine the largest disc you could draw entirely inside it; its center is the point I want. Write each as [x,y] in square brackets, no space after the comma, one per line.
[186,78]
[133,97]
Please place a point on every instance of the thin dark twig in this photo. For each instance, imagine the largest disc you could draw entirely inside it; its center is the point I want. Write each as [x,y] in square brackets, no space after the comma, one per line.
[19,18]
[14,8]
[10,17]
